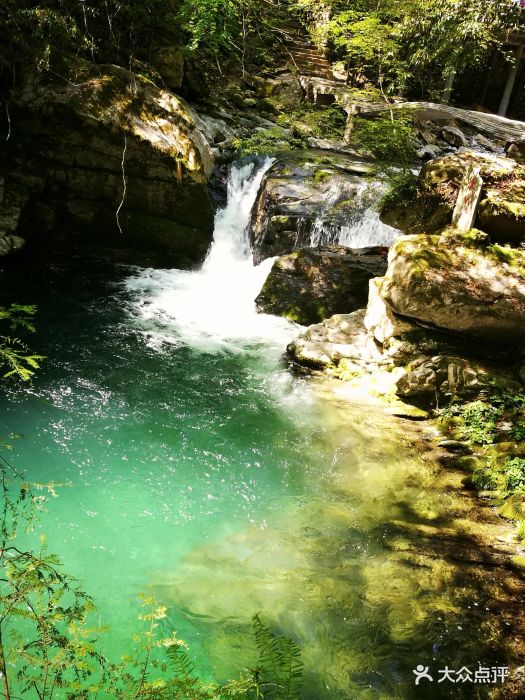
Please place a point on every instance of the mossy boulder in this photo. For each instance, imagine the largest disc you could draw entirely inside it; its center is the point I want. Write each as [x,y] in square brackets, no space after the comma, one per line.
[312,284]
[104,140]
[501,211]
[459,283]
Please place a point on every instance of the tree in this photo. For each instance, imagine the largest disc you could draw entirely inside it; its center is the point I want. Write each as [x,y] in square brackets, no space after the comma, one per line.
[403,44]
[440,38]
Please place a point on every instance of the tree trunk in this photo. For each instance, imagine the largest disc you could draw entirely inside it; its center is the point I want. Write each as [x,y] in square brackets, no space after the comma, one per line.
[505,99]
[447,93]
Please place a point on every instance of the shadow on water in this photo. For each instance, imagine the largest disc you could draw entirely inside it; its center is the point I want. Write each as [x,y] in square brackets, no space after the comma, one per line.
[369,584]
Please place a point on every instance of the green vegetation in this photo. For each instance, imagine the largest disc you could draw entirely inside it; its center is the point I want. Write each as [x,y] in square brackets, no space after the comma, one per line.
[129,34]
[268,142]
[16,359]
[402,190]
[479,421]
[319,122]
[495,427]
[390,140]
[411,47]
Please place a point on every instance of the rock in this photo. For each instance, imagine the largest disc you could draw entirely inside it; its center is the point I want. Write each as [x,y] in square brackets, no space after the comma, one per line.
[308,198]
[418,381]
[79,131]
[501,212]
[170,64]
[516,150]
[438,186]
[312,284]
[428,152]
[484,143]
[456,446]
[451,377]
[454,136]
[379,319]
[343,336]
[453,283]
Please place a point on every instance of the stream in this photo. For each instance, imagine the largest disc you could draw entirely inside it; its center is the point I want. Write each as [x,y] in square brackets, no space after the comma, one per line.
[192,465]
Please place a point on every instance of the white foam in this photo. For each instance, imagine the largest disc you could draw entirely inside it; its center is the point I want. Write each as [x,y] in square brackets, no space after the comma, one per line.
[363,229]
[214,308]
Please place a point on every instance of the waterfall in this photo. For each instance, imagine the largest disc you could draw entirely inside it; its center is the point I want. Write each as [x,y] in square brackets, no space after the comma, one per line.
[362,228]
[213,308]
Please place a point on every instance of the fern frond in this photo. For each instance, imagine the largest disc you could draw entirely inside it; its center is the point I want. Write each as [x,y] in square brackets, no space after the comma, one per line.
[279,664]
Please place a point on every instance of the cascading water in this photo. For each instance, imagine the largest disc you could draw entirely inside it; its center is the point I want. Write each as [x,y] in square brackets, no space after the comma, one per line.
[214,307]
[362,228]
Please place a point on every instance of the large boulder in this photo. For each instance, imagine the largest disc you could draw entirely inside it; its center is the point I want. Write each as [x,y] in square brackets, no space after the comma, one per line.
[459,283]
[103,141]
[311,284]
[501,211]
[309,198]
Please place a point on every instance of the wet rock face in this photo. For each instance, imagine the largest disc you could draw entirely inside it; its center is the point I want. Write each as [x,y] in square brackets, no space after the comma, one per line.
[459,284]
[297,192]
[80,140]
[312,284]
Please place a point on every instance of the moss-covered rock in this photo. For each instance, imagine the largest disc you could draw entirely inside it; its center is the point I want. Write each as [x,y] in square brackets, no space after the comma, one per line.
[312,284]
[501,211]
[452,282]
[105,140]
[300,191]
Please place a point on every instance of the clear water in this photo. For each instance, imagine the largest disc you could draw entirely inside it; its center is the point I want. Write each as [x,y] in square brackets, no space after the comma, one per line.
[363,228]
[195,467]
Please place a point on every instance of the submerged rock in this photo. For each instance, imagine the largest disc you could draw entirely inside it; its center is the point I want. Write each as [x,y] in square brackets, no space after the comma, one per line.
[109,139]
[312,284]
